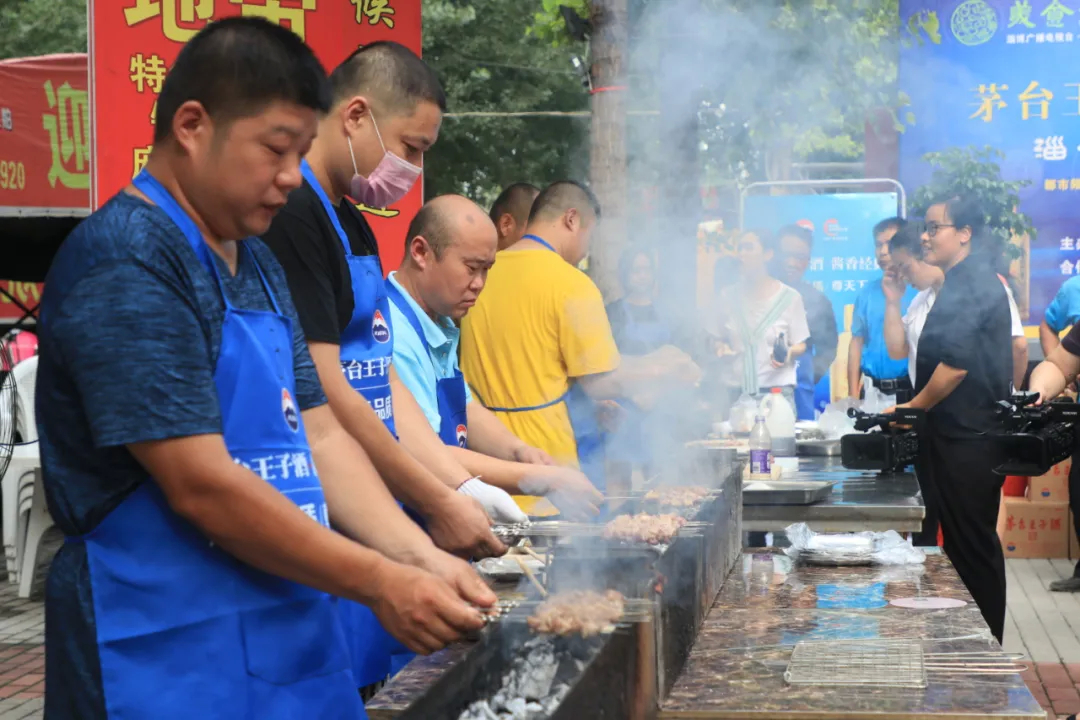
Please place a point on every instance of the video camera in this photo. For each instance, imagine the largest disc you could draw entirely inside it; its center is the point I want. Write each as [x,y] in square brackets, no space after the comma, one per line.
[1035,438]
[891,449]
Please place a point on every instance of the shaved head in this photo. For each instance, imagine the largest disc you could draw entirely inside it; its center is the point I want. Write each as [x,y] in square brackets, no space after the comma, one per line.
[516,200]
[558,197]
[443,220]
[391,76]
[450,247]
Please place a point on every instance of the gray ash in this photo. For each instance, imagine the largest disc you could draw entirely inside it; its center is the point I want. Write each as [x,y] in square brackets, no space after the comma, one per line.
[539,677]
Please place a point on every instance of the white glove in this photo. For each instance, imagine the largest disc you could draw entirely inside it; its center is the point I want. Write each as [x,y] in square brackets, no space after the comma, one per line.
[496,501]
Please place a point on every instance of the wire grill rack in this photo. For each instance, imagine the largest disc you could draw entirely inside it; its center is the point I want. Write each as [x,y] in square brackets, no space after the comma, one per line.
[867,663]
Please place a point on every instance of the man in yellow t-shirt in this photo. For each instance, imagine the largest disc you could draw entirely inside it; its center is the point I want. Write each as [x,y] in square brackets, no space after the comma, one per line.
[539,335]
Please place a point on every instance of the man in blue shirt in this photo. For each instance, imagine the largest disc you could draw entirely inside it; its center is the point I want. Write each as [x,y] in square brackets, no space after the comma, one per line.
[871,372]
[189,455]
[451,245]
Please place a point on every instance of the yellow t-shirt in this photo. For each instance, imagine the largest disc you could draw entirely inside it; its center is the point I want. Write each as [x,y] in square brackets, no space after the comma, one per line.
[538,323]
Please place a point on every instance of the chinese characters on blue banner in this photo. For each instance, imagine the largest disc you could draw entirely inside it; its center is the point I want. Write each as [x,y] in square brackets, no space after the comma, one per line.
[1003,73]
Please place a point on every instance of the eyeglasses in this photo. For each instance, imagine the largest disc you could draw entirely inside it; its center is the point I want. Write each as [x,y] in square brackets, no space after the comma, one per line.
[933,227]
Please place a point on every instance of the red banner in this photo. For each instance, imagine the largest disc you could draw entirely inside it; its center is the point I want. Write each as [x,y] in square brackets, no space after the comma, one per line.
[44,136]
[133,43]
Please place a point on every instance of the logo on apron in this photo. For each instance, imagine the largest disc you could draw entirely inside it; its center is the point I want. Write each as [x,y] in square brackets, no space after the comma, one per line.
[379,329]
[288,409]
[462,435]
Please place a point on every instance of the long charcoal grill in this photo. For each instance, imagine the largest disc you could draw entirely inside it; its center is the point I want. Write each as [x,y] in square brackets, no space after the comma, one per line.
[638,662]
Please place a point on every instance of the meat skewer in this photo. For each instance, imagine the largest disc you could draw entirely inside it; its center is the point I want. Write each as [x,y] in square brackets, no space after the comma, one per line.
[580,612]
[644,528]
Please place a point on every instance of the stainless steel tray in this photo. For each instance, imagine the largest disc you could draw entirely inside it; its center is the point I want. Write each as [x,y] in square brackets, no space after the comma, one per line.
[786,492]
[829,448]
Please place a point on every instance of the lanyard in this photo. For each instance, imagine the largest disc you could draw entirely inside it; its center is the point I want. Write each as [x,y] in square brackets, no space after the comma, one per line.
[542,241]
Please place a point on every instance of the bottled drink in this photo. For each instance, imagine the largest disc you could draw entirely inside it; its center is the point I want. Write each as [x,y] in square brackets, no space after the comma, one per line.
[760,450]
[780,422]
[780,349]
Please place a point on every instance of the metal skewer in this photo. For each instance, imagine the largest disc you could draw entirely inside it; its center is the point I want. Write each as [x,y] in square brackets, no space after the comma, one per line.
[532,578]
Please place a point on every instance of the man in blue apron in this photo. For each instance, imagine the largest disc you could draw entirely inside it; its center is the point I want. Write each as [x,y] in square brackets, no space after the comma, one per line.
[188,453]
[450,248]
[386,109]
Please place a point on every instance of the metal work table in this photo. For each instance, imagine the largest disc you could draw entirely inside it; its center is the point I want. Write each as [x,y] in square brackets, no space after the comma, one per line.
[861,500]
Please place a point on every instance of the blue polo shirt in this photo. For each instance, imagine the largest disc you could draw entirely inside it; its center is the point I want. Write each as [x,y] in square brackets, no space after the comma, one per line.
[868,322]
[422,361]
[1064,309]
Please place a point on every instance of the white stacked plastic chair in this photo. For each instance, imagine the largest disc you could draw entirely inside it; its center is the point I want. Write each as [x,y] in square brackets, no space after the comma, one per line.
[39,523]
[18,482]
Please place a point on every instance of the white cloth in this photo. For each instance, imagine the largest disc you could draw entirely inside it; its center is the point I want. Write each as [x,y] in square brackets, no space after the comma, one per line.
[915,318]
[498,504]
[792,322]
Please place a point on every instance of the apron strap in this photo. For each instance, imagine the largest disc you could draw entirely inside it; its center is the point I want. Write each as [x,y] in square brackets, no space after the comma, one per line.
[530,408]
[750,339]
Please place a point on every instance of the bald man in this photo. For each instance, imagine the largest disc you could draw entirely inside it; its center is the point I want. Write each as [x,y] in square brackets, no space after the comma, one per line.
[450,246]
[510,212]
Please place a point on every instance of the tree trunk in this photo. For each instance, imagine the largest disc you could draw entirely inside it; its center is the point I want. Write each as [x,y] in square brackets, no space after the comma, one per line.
[607,143]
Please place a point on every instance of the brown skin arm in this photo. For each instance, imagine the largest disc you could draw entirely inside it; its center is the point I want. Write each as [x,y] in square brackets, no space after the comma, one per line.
[854,367]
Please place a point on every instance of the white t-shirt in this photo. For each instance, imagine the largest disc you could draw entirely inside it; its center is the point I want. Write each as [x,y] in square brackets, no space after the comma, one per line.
[915,319]
[792,322]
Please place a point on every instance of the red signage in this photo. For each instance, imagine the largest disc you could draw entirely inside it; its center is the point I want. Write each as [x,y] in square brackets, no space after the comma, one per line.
[44,136]
[133,43]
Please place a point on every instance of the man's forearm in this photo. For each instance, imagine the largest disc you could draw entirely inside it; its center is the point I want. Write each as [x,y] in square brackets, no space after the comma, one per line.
[895,335]
[1047,380]
[488,436]
[249,519]
[942,384]
[854,366]
[796,350]
[1048,339]
[408,480]
[422,442]
[503,474]
[361,506]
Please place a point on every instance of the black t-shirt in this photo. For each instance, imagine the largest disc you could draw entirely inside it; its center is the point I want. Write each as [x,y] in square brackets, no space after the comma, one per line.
[822,323]
[306,244]
[1071,342]
[621,315]
[969,328]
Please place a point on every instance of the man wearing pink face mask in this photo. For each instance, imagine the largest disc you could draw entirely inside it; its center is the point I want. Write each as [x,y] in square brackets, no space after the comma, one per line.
[387,110]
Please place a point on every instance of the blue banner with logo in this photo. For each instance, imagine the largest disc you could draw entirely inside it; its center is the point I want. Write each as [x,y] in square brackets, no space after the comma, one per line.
[842,261]
[1003,73]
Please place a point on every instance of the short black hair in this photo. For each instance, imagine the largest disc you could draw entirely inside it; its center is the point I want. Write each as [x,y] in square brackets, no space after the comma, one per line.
[964,211]
[517,200]
[627,259]
[896,222]
[909,237]
[238,66]
[797,231]
[767,239]
[563,195]
[395,77]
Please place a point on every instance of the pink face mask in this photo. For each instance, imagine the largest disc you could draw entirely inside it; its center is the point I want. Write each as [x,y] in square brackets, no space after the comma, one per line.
[390,181]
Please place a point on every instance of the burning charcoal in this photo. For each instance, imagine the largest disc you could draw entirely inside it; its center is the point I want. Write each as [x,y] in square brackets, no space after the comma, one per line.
[538,677]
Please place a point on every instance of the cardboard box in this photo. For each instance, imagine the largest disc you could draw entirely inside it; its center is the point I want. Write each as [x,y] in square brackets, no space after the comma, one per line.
[1053,486]
[1034,530]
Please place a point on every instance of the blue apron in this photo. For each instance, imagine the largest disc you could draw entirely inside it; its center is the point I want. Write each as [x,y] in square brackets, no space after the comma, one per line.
[449,392]
[588,436]
[366,352]
[632,442]
[184,629]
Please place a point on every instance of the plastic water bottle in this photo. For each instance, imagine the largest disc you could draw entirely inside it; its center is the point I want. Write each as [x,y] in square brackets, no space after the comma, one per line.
[780,421]
[760,450]
[780,349]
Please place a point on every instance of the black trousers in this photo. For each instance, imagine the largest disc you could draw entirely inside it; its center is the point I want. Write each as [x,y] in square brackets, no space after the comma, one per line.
[960,474]
[1074,500]
[927,536]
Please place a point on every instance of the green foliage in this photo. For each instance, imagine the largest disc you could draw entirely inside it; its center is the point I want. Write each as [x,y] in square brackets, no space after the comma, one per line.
[975,171]
[548,23]
[42,27]
[488,63]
